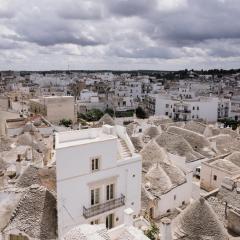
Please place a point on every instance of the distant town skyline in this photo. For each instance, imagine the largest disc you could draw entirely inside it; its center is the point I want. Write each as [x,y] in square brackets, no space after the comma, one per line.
[119,34]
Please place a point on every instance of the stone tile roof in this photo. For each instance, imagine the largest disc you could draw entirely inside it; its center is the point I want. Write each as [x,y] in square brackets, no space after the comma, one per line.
[198,142]
[5,143]
[225,143]
[226,165]
[152,153]
[137,143]
[152,132]
[177,145]
[87,232]
[234,158]
[162,177]
[196,126]
[42,176]
[199,221]
[35,214]
[106,119]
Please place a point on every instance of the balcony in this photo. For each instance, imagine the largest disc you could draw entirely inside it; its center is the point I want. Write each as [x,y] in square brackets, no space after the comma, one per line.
[184,111]
[104,207]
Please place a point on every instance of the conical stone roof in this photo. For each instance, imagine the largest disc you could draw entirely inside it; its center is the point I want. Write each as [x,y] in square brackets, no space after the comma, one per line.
[29,127]
[106,119]
[152,132]
[199,222]
[158,180]
[152,153]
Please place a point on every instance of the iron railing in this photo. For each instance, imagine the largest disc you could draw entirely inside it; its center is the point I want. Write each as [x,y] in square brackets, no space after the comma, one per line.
[104,207]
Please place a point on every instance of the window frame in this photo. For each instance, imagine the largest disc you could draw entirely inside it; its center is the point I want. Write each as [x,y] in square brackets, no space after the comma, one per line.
[95,195]
[110,191]
[95,163]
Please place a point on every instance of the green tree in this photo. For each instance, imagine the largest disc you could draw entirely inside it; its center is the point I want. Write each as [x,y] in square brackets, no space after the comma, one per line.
[92,115]
[140,113]
[110,112]
[152,232]
[65,122]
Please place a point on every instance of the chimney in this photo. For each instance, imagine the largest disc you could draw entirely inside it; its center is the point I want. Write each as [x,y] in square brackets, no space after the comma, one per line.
[18,165]
[166,229]
[128,218]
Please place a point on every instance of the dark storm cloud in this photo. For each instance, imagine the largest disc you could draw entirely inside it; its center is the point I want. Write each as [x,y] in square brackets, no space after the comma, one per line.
[201,20]
[83,10]
[130,7]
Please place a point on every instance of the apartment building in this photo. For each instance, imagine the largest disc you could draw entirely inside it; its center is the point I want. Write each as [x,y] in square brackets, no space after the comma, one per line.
[224,107]
[98,176]
[205,108]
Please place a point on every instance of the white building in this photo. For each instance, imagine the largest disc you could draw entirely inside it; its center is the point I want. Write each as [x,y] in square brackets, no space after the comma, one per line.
[163,182]
[235,108]
[216,169]
[98,176]
[224,108]
[87,95]
[205,108]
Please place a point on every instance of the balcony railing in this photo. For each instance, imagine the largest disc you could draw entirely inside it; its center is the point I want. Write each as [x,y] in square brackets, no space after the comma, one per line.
[184,111]
[103,207]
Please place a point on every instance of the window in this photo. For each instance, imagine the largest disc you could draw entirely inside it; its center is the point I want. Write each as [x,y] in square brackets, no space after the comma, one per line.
[197,108]
[140,130]
[95,195]
[175,197]
[110,192]
[95,164]
[109,221]
[214,177]
[96,221]
[167,105]
[192,116]
[193,108]
[166,113]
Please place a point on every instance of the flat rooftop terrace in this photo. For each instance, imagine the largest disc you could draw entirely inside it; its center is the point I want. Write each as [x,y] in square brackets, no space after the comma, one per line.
[84,136]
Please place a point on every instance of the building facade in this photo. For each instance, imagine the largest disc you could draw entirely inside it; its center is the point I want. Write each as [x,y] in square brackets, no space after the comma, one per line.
[98,176]
[54,108]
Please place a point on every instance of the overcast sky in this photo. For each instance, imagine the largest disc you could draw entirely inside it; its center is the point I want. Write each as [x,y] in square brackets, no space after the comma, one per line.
[119,34]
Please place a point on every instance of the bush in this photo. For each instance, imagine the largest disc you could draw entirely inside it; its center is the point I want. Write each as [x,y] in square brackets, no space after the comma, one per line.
[92,115]
[110,112]
[153,232]
[230,122]
[65,122]
[140,113]
[128,113]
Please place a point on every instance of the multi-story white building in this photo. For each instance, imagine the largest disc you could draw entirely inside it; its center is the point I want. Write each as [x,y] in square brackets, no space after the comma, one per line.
[235,108]
[98,176]
[205,108]
[224,108]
